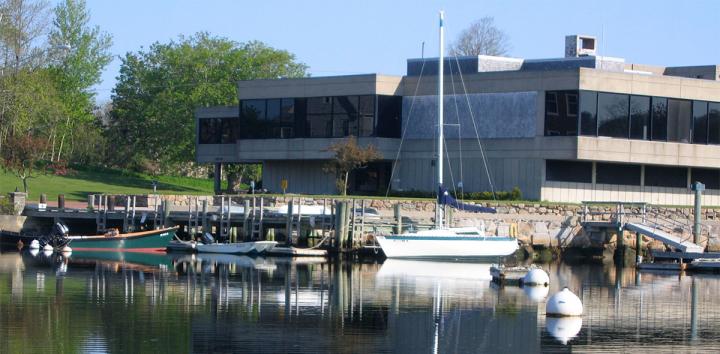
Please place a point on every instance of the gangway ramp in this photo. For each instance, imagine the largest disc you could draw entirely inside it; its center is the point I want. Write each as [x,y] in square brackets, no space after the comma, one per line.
[664,237]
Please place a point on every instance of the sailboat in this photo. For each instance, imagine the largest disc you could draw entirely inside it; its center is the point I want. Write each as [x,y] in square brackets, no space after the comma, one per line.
[442,241]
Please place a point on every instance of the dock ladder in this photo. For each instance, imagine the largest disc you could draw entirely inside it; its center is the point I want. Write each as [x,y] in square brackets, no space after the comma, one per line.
[225,215]
[256,232]
[193,217]
[101,215]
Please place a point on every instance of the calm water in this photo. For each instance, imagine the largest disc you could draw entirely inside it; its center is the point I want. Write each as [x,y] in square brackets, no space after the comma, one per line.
[136,303]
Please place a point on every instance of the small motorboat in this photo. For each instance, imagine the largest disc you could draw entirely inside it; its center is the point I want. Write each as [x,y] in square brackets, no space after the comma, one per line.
[255,247]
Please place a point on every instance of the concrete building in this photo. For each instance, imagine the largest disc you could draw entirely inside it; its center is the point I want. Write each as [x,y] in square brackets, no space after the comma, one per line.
[581,127]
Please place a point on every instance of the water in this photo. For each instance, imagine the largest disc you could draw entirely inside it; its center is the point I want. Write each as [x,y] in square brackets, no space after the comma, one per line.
[134,303]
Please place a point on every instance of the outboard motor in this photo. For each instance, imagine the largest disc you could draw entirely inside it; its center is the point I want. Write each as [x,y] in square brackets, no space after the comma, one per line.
[207,238]
[60,229]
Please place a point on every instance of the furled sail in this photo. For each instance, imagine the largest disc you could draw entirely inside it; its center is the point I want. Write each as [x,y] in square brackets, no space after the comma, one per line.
[444,198]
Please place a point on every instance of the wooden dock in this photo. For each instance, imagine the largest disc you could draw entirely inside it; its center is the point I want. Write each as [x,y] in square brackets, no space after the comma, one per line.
[335,225]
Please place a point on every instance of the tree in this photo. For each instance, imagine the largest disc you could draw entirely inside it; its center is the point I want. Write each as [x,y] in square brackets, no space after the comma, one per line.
[77,68]
[237,173]
[481,38]
[23,156]
[348,157]
[158,90]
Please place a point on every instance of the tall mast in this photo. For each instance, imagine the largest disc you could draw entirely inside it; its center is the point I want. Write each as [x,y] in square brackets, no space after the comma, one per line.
[440,137]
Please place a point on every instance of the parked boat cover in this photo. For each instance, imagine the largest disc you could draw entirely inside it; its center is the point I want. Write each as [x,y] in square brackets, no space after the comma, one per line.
[444,198]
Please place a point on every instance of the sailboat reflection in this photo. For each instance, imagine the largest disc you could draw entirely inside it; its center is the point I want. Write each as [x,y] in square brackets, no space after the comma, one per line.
[434,270]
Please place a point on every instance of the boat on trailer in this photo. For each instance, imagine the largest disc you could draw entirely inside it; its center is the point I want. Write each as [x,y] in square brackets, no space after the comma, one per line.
[442,241]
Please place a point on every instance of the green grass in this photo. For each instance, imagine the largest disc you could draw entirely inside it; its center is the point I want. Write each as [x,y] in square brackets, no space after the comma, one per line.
[77,184]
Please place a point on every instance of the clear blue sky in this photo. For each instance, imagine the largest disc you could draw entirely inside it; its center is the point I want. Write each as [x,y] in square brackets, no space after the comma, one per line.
[374,36]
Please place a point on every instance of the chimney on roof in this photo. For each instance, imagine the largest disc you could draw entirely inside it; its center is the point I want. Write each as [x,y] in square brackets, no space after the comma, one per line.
[580,45]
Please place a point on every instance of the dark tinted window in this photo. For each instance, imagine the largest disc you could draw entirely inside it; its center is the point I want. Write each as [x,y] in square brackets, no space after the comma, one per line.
[610,173]
[613,115]
[588,113]
[700,122]
[319,105]
[709,177]
[640,117]
[253,109]
[389,116]
[561,113]
[714,123]
[227,130]
[273,110]
[209,131]
[679,119]
[659,118]
[320,125]
[287,110]
[568,171]
[656,176]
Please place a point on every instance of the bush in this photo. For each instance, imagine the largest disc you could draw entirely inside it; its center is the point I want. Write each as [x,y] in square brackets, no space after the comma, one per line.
[514,194]
[6,207]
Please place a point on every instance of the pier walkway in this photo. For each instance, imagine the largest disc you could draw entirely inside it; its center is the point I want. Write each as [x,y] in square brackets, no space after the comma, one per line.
[642,219]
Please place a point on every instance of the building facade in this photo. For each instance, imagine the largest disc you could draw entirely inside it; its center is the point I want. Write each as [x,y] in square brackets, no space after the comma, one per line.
[581,127]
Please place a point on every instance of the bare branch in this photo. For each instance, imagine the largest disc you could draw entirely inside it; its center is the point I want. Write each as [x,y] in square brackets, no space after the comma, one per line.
[481,38]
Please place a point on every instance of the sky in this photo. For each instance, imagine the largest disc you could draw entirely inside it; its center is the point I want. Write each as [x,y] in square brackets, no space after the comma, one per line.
[374,36]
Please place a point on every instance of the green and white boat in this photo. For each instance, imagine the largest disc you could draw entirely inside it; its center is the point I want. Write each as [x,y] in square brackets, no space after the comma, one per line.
[143,241]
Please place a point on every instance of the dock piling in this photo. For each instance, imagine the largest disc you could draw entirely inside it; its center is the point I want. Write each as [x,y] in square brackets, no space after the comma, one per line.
[398,218]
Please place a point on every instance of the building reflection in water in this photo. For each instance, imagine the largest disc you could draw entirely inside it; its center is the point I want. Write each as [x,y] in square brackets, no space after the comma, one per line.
[226,303]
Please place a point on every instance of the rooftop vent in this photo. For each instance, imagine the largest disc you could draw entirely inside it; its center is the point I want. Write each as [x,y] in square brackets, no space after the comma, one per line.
[579,46]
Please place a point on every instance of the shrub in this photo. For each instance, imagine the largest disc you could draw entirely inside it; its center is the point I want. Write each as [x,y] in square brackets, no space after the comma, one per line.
[6,207]
[514,194]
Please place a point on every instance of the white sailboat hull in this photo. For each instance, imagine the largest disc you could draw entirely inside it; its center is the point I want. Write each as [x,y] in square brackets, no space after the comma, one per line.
[443,246]
[258,247]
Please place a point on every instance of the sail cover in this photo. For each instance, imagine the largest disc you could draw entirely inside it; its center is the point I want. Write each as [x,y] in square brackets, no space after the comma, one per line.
[444,198]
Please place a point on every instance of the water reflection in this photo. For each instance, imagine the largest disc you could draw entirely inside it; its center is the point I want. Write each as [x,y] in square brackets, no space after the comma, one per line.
[206,303]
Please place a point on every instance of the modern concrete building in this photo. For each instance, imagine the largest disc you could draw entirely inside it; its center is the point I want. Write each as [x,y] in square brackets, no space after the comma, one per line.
[581,127]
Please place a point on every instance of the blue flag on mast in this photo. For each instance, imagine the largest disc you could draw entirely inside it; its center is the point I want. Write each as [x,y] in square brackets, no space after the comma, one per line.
[444,198]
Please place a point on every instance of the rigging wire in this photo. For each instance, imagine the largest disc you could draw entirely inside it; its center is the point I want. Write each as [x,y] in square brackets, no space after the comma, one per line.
[407,124]
[459,132]
[477,135]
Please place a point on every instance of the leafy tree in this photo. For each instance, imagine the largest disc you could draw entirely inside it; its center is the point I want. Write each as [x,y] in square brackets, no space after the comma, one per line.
[481,38]
[239,173]
[348,157]
[158,90]
[23,156]
[77,68]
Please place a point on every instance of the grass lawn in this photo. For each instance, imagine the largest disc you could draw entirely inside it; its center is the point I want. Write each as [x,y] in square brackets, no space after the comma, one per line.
[76,185]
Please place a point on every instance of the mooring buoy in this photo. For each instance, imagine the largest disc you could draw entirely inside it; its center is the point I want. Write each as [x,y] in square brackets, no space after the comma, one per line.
[35,245]
[536,277]
[564,303]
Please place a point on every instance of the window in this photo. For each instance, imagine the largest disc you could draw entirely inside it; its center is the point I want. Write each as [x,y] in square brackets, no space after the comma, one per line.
[657,176]
[227,130]
[714,123]
[366,117]
[253,109]
[209,131]
[588,113]
[273,110]
[345,110]
[319,117]
[700,122]
[679,119]
[659,119]
[551,103]
[571,104]
[709,177]
[611,173]
[561,113]
[287,110]
[568,171]
[640,117]
[389,119]
[612,115]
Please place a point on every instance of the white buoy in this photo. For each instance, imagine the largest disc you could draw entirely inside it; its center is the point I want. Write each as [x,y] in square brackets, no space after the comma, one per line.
[34,252]
[35,245]
[536,293]
[48,248]
[564,303]
[536,277]
[47,253]
[66,249]
[563,329]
